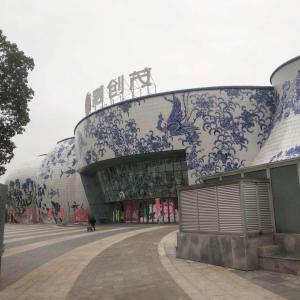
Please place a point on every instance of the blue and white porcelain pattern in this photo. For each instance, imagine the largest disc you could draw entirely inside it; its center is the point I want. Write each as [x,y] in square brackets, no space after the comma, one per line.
[220,130]
[51,184]
[62,156]
[62,186]
[284,139]
[23,189]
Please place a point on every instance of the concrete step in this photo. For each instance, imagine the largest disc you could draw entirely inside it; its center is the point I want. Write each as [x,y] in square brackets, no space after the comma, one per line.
[281,262]
[289,242]
[268,250]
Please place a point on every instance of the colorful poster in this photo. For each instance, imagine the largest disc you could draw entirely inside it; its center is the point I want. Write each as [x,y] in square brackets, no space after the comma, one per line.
[49,213]
[131,210]
[29,214]
[81,216]
[157,208]
[135,212]
[62,213]
[171,211]
[127,211]
[37,214]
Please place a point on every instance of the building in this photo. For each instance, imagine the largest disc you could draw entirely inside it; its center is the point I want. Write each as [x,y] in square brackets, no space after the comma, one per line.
[133,155]
[48,189]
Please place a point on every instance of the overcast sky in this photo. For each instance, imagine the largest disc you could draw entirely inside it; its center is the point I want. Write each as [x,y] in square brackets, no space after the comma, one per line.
[78,45]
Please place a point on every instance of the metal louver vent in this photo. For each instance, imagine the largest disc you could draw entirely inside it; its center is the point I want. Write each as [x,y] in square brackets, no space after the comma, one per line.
[251,205]
[235,208]
[230,213]
[208,209]
[263,191]
[189,211]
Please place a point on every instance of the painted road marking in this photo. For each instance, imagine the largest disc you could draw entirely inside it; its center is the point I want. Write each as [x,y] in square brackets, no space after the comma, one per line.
[55,279]
[17,234]
[33,236]
[32,246]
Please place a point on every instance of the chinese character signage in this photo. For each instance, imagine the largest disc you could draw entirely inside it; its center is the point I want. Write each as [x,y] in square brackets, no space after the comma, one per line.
[140,83]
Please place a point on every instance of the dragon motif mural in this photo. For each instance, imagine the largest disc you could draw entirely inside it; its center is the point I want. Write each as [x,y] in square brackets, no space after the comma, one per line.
[214,127]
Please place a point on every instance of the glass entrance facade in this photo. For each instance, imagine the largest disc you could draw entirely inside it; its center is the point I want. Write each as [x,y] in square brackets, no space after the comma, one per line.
[145,211]
[144,191]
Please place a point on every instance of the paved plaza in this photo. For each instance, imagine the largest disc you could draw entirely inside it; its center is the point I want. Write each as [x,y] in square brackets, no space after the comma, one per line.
[121,262]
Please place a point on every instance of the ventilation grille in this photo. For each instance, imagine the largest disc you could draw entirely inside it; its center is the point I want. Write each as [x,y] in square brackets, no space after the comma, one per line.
[207,209]
[189,211]
[229,208]
[230,213]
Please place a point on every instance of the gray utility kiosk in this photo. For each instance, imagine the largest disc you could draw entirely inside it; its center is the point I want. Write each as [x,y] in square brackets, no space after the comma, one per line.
[224,223]
[3,199]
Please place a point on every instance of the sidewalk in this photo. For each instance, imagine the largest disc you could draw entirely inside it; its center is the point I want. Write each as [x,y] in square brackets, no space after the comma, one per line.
[204,281]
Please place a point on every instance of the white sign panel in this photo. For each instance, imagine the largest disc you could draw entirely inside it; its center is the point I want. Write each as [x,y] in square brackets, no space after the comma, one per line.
[141,83]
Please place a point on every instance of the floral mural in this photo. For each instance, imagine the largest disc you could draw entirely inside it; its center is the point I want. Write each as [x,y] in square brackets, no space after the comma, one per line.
[214,127]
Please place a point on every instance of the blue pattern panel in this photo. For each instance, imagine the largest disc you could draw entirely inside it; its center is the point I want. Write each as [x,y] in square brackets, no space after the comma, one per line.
[290,153]
[288,99]
[214,127]
[283,142]
[27,193]
[21,194]
[57,168]
[61,156]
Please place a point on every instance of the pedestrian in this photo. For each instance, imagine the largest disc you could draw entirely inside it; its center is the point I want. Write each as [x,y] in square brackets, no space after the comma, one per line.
[93,223]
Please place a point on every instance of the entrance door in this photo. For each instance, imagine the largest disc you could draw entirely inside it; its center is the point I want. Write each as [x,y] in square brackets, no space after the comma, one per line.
[131,211]
[286,198]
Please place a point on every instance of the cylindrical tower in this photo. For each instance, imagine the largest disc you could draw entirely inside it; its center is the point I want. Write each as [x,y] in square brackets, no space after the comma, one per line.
[60,196]
[284,139]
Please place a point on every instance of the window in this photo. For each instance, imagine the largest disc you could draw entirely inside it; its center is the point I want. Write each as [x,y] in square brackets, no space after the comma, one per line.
[143,179]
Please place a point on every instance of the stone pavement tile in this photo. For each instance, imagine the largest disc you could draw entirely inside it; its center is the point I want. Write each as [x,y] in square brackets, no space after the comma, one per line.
[225,297]
[17,266]
[135,264]
[285,285]
[211,282]
[56,277]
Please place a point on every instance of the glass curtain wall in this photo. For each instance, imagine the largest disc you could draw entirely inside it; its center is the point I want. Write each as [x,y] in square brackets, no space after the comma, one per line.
[132,189]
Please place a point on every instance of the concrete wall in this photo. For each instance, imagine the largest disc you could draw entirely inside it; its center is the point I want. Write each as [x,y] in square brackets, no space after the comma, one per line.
[3,200]
[290,243]
[230,251]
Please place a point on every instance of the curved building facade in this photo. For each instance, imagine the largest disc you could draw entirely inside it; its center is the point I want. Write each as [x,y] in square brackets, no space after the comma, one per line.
[49,190]
[284,139]
[125,146]
[22,191]
[128,159]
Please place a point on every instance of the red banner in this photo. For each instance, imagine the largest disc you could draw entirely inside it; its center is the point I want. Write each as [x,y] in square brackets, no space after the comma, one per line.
[131,211]
[157,208]
[81,216]
[62,213]
[29,214]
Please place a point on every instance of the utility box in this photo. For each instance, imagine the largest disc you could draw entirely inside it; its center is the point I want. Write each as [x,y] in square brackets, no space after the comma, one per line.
[3,199]
[224,223]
